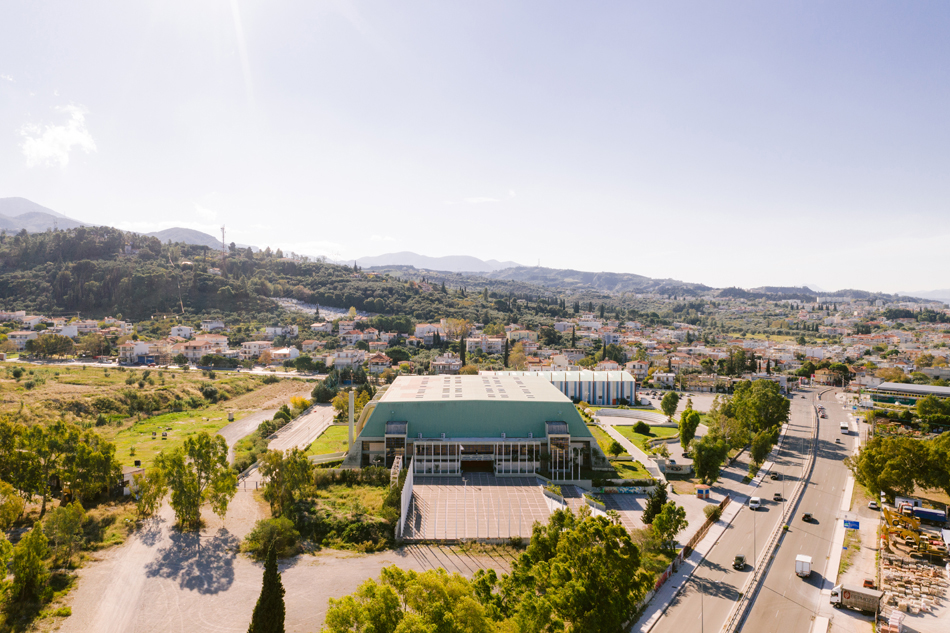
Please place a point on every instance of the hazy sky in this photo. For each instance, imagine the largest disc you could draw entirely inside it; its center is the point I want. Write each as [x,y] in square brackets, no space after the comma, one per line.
[729,143]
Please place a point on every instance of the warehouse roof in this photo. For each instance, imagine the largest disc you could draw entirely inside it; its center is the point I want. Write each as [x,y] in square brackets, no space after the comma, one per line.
[912,389]
[472,407]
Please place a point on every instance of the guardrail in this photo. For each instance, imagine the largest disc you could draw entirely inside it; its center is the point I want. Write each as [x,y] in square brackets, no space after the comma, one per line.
[762,565]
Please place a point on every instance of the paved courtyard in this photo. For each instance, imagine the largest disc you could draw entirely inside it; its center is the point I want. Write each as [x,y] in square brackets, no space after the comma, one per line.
[476,505]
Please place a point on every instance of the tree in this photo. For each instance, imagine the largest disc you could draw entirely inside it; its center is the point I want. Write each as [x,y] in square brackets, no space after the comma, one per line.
[284,475]
[180,359]
[196,473]
[668,523]
[90,467]
[761,445]
[709,453]
[47,448]
[268,616]
[518,358]
[655,501]
[669,403]
[615,448]
[759,404]
[462,350]
[30,573]
[505,354]
[641,427]
[689,422]
[94,345]
[150,489]
[894,465]
[63,526]
[48,344]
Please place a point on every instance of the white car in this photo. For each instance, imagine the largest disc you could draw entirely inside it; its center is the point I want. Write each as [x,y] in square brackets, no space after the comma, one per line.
[755,503]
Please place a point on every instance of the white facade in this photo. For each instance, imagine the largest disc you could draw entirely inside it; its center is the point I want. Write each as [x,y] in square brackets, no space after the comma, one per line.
[592,387]
[183,331]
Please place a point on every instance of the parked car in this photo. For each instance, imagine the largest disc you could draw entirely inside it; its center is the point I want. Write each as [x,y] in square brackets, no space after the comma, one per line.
[873,505]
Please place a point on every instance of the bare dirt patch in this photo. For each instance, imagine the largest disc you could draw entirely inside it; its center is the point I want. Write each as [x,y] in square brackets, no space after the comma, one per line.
[270,396]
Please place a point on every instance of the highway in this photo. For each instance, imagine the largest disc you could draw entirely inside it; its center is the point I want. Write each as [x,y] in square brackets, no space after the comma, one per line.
[786,602]
[709,596]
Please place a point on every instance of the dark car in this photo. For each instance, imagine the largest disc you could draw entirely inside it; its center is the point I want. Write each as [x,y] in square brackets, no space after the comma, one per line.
[775,476]
[807,517]
[739,562]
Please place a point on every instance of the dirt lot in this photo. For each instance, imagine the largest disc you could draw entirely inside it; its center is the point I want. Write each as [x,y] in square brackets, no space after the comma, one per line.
[161,580]
[270,396]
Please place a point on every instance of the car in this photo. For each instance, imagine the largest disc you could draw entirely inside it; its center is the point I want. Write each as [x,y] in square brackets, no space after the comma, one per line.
[823,415]
[739,562]
[837,440]
[873,505]
[775,476]
[755,503]
[806,517]
[777,496]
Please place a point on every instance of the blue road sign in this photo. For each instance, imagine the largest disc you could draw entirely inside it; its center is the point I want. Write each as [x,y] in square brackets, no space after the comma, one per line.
[852,525]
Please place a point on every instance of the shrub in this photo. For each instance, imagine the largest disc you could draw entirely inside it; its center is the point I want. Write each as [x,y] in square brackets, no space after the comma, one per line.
[269,380]
[280,532]
[712,512]
[642,428]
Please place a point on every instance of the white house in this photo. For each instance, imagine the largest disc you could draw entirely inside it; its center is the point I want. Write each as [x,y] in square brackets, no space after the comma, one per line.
[281,354]
[448,364]
[348,358]
[378,363]
[253,349]
[183,331]
[210,325]
[20,338]
[67,330]
[326,327]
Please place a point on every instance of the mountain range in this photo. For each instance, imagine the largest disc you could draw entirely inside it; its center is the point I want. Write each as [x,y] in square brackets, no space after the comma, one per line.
[17,214]
[450,263]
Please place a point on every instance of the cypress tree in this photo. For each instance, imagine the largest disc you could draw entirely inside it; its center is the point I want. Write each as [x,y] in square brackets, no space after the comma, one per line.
[269,613]
[462,350]
[573,337]
[506,353]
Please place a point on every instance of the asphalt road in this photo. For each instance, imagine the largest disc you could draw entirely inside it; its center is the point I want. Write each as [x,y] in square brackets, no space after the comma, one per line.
[786,602]
[244,427]
[304,430]
[709,596]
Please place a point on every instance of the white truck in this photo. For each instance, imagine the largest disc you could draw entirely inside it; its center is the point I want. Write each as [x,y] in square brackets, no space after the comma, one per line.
[803,566]
[855,597]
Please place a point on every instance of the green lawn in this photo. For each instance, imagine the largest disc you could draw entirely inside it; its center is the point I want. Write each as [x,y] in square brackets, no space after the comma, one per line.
[630,470]
[333,440]
[640,440]
[603,440]
[183,425]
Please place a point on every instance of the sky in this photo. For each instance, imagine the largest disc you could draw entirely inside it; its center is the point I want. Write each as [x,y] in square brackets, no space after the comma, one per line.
[727,143]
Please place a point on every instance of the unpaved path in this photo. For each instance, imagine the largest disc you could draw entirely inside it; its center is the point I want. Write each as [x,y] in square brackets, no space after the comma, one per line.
[242,428]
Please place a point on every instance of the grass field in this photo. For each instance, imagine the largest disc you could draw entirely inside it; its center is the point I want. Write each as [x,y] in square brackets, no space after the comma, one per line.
[630,470]
[640,440]
[603,440]
[182,425]
[333,440]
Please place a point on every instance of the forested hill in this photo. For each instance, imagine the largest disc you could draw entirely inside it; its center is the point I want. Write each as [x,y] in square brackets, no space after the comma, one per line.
[102,271]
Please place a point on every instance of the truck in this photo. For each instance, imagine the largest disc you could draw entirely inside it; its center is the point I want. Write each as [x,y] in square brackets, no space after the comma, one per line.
[931,515]
[803,566]
[855,597]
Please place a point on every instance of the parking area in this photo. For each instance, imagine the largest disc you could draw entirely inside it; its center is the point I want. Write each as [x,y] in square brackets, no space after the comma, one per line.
[475,506]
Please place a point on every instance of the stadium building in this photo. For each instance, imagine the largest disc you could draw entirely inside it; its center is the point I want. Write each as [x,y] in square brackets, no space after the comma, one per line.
[449,425]
[905,393]
[599,388]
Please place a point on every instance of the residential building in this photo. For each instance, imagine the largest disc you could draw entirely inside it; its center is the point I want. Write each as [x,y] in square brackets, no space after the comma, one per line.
[351,358]
[378,363]
[212,325]
[448,364]
[326,327]
[311,345]
[254,349]
[184,331]
[20,337]
[281,354]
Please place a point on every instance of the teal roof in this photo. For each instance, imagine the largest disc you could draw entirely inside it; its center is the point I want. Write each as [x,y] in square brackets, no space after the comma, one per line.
[472,407]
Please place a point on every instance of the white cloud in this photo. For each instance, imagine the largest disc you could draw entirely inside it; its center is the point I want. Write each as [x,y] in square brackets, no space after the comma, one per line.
[481,200]
[511,193]
[382,238]
[7,77]
[56,93]
[52,144]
